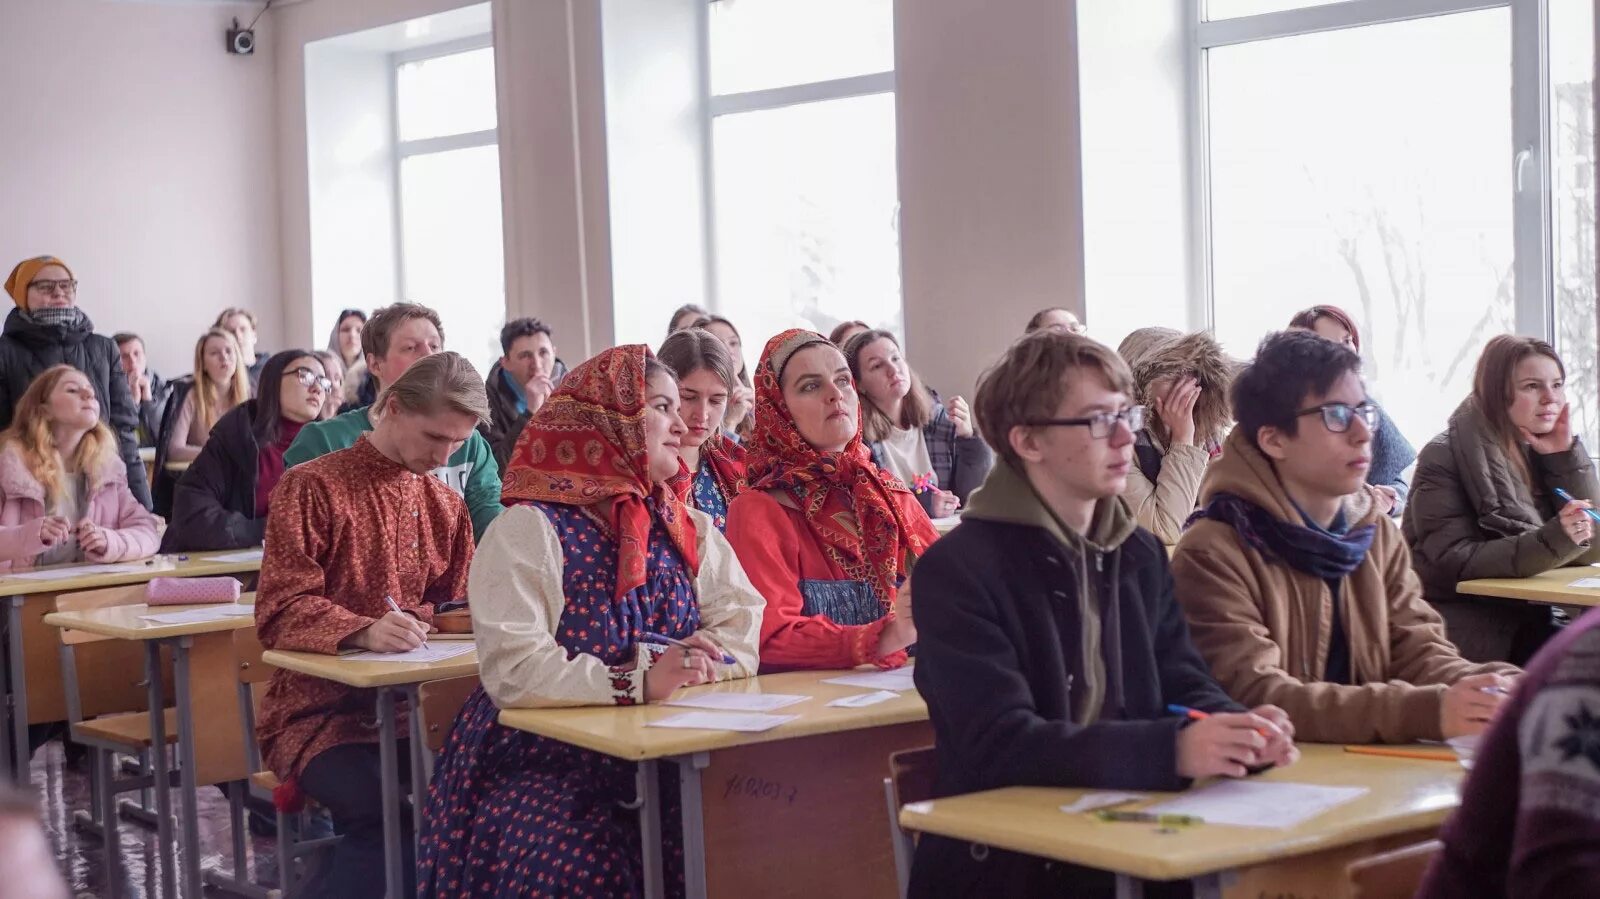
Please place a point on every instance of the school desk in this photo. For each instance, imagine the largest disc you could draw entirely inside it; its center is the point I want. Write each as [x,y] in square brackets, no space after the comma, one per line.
[1550,587]
[393,681]
[178,467]
[207,686]
[796,811]
[147,455]
[1406,801]
[32,671]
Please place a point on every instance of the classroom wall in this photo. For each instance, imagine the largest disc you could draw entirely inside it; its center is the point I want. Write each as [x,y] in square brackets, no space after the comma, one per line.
[991,221]
[141,152]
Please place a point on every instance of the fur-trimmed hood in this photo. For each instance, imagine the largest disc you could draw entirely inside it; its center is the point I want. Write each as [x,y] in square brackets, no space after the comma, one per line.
[1196,354]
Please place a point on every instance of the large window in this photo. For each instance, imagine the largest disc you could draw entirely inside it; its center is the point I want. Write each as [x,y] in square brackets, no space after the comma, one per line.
[805,216]
[451,246]
[1417,162]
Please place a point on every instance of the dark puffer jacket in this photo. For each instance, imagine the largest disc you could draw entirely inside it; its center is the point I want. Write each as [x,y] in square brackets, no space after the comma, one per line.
[214,503]
[27,348]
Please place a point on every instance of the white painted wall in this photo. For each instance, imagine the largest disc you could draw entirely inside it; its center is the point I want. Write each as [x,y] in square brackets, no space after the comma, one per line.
[142,153]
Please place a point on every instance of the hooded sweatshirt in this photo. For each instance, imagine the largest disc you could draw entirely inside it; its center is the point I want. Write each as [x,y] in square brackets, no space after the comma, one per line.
[1266,627]
[1047,658]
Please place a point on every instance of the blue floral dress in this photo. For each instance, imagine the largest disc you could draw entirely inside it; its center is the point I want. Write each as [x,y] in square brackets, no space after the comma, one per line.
[706,495]
[514,814]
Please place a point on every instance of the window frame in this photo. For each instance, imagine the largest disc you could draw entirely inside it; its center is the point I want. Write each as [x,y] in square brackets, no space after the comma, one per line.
[402,150]
[1533,249]
[718,105]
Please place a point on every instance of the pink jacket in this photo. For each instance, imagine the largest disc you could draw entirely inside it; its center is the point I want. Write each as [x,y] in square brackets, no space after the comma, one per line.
[131,531]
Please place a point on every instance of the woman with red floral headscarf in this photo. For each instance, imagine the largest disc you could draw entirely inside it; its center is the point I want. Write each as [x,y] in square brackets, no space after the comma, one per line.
[594,555]
[828,537]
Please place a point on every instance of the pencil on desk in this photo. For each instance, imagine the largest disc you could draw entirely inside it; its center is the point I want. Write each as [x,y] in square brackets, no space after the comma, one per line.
[1403,752]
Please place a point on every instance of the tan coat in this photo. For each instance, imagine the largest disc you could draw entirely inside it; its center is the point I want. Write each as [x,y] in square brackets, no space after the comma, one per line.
[1162,507]
[1265,627]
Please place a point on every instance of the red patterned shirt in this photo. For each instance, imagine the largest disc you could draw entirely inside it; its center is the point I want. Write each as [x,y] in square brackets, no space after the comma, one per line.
[345,531]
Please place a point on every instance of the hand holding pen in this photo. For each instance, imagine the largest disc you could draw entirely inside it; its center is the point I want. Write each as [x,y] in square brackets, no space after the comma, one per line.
[1578,518]
[1230,744]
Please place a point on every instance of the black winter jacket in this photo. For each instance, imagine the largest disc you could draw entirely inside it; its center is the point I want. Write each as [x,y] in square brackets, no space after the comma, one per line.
[214,502]
[997,663]
[28,348]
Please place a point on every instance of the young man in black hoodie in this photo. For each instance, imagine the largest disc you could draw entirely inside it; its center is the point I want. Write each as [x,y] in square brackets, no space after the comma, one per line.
[1050,644]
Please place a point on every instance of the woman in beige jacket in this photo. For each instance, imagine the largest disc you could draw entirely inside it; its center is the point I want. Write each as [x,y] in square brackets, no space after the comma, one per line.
[1183,379]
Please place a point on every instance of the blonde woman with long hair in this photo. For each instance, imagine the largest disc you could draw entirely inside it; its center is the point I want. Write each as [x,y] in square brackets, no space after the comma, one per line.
[221,382]
[64,493]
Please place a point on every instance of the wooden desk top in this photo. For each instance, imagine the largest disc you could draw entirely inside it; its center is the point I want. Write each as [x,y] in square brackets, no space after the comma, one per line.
[1550,587]
[198,565]
[1403,795]
[178,467]
[371,674]
[619,731]
[147,454]
[126,623]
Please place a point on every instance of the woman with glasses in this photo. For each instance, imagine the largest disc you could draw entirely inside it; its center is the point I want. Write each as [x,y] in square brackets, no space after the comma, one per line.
[1488,500]
[828,537]
[1392,453]
[221,502]
[1182,380]
[47,328]
[1296,586]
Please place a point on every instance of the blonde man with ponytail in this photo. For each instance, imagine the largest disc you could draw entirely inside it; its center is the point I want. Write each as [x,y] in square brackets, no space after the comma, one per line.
[64,493]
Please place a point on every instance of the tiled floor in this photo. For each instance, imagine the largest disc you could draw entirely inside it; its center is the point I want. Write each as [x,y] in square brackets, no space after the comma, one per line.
[64,788]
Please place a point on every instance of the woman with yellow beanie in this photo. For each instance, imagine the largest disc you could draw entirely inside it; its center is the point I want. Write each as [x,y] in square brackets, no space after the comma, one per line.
[47,328]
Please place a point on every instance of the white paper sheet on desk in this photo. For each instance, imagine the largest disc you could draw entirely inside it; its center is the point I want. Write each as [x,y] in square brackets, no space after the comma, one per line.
[945,524]
[209,613]
[248,555]
[862,700]
[744,722]
[1090,801]
[80,571]
[738,702]
[1587,583]
[433,652]
[1245,803]
[898,680]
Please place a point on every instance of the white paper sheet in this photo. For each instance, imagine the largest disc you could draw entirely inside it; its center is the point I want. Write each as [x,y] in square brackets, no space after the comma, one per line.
[78,571]
[738,702]
[862,700]
[1244,803]
[898,680]
[945,525]
[433,652]
[209,613]
[1088,802]
[745,722]
[247,555]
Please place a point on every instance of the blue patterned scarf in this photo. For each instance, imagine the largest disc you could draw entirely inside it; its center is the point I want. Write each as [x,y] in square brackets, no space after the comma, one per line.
[1313,551]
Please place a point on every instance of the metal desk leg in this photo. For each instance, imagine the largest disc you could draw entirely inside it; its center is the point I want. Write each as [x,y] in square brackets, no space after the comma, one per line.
[186,766]
[163,783]
[17,672]
[1129,887]
[649,793]
[694,830]
[389,772]
[1209,886]
[420,773]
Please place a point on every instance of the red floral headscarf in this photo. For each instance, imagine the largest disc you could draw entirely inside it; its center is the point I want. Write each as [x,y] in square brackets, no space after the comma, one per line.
[727,461]
[586,445]
[875,547]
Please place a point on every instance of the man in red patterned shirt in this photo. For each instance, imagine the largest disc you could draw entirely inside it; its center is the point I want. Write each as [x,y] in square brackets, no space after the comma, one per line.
[347,533]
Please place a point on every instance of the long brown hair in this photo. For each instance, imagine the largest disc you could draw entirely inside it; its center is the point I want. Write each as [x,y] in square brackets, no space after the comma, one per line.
[916,410]
[1494,388]
[30,433]
[237,389]
[692,349]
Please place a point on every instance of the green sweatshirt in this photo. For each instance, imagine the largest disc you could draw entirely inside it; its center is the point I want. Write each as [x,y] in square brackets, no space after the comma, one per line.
[471,471]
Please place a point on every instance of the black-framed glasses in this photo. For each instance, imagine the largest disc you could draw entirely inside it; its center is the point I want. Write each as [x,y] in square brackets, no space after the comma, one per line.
[66,287]
[307,377]
[1337,417]
[1100,424]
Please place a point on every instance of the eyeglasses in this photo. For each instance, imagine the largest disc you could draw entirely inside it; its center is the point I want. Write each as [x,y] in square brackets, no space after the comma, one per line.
[66,288]
[1099,424]
[307,377]
[1337,417]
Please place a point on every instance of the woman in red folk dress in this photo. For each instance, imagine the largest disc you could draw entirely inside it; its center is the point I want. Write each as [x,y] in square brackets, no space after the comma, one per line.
[828,537]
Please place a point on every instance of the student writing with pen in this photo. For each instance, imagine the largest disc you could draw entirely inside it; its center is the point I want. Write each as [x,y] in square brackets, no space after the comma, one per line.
[595,563]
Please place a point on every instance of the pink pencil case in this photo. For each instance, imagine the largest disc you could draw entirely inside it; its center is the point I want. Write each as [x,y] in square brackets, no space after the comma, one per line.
[181,591]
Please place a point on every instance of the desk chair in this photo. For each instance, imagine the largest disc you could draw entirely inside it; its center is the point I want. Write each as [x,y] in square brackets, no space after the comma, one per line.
[911,779]
[109,715]
[438,703]
[1391,875]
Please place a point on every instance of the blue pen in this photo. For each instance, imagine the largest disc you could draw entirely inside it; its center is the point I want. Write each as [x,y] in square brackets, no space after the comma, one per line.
[1567,498]
[663,640]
